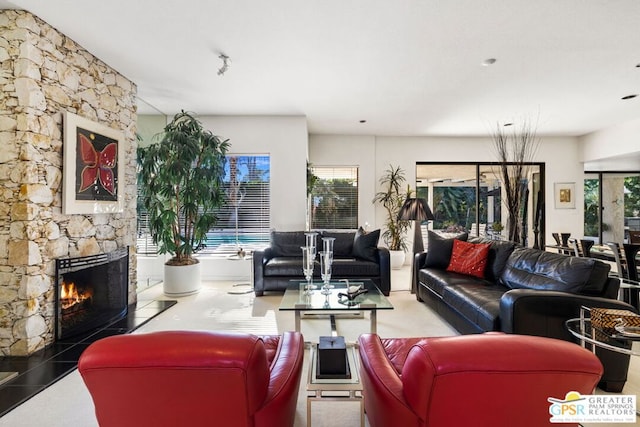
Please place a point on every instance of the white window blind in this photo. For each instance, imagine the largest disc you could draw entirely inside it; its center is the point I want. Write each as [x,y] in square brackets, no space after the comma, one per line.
[334,198]
[243,221]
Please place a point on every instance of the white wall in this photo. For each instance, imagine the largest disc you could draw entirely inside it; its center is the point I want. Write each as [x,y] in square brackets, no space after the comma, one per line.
[345,150]
[285,139]
[620,143]
[148,127]
[374,154]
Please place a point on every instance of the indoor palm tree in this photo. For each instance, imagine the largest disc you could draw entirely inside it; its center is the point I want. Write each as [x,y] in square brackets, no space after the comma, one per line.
[392,197]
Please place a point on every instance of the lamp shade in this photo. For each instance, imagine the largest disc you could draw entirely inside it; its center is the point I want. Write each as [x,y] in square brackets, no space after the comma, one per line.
[415,209]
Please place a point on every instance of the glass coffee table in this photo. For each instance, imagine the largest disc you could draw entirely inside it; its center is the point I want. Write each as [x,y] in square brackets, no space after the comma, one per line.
[298,300]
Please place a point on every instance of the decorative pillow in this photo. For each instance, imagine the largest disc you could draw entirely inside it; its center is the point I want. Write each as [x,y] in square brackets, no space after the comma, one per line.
[342,246]
[365,245]
[499,251]
[287,243]
[469,258]
[439,249]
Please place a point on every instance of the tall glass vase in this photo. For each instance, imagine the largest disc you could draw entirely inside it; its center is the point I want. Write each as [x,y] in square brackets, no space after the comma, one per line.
[308,260]
[310,241]
[327,246]
[325,271]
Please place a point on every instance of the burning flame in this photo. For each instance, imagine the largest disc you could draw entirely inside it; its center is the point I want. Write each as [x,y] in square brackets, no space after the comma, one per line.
[70,296]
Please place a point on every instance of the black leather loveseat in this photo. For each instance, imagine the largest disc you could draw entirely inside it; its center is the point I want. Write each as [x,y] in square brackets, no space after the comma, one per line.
[356,255]
[521,291]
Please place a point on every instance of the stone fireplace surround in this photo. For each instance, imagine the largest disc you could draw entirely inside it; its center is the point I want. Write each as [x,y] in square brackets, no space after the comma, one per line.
[42,74]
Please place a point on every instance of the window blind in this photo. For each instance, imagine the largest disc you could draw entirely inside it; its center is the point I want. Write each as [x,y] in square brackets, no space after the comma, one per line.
[334,198]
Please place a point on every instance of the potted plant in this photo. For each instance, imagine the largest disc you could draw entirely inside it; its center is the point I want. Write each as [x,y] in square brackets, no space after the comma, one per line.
[392,198]
[181,186]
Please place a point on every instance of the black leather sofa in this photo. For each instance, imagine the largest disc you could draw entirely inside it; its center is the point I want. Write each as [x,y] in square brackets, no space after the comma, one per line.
[524,291]
[356,255]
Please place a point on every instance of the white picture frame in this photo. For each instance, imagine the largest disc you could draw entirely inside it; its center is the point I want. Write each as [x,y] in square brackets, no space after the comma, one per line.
[564,195]
[93,167]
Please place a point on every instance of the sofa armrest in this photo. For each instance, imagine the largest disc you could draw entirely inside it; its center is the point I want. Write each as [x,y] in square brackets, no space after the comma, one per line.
[543,313]
[260,258]
[258,272]
[382,386]
[418,262]
[384,262]
[284,382]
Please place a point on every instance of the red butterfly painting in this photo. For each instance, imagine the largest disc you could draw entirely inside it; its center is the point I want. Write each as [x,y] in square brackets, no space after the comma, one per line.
[97,165]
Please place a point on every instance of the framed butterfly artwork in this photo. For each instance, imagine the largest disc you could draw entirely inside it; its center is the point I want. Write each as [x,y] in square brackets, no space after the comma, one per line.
[93,171]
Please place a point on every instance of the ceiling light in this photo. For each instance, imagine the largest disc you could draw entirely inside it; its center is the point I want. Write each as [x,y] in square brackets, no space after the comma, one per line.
[489,61]
[629,96]
[225,64]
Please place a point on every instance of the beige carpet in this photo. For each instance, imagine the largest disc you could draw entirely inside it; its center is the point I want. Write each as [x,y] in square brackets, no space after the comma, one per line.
[68,403]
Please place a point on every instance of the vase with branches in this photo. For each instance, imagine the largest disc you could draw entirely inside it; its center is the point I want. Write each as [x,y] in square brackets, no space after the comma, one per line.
[515,151]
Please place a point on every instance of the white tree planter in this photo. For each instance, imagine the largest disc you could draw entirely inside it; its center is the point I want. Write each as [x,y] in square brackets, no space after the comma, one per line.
[397,259]
[181,280]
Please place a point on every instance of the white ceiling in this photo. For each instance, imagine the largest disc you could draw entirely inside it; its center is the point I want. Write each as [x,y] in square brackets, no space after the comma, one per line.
[407,67]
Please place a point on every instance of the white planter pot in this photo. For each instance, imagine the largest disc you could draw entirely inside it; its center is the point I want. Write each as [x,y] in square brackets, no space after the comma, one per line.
[181,280]
[397,259]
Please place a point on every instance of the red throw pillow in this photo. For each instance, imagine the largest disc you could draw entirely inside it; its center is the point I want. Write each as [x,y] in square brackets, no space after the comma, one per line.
[469,258]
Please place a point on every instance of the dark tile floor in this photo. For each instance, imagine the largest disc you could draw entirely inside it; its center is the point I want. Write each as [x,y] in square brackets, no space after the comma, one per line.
[45,367]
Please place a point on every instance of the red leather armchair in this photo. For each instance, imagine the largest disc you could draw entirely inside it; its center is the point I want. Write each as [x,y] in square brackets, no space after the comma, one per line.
[194,378]
[490,379]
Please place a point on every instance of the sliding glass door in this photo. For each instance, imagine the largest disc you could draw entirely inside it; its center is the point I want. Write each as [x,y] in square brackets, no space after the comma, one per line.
[611,206]
[470,197]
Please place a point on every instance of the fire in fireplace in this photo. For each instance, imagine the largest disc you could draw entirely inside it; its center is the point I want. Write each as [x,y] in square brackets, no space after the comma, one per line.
[91,292]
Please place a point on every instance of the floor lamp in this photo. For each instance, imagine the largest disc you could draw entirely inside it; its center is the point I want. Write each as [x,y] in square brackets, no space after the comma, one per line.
[415,209]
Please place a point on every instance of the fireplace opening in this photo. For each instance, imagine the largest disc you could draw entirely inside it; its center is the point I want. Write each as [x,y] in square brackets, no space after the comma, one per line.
[91,292]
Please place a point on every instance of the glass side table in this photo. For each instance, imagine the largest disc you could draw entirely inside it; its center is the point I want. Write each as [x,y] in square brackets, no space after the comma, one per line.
[582,329]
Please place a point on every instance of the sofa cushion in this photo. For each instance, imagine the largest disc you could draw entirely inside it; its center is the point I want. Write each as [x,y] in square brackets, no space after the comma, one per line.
[287,243]
[343,268]
[534,269]
[365,245]
[499,252]
[437,280]
[439,249]
[343,243]
[469,258]
[477,302]
[286,266]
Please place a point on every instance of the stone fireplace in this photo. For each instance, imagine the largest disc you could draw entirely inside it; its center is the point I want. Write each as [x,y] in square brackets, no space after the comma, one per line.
[43,73]
[91,292]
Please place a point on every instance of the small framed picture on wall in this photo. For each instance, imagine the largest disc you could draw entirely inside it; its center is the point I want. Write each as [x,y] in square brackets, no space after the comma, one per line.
[565,195]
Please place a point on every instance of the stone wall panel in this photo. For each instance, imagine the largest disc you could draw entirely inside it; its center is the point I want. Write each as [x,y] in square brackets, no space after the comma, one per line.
[44,73]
